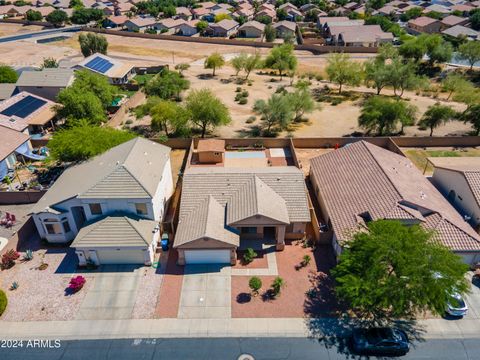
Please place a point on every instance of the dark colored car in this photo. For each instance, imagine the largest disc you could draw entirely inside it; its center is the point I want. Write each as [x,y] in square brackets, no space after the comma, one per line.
[381,341]
[164,242]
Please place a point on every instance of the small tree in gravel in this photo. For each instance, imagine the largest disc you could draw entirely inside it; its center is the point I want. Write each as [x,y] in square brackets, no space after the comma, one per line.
[214,62]
[255,284]
[277,285]
[182,67]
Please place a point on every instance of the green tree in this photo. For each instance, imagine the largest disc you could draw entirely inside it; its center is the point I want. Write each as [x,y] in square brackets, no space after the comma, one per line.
[168,116]
[169,11]
[206,110]
[222,16]
[475,20]
[57,17]
[75,4]
[341,70]
[91,43]
[377,74]
[472,116]
[388,272]
[238,62]
[33,15]
[76,104]
[252,62]
[375,4]
[214,61]
[470,51]
[301,103]
[382,115]
[276,112]
[255,284]
[437,49]
[167,85]
[7,75]
[3,302]
[413,49]
[84,141]
[182,67]
[49,63]
[436,115]
[281,58]
[453,83]
[201,27]
[85,15]
[270,33]
[87,81]
[403,77]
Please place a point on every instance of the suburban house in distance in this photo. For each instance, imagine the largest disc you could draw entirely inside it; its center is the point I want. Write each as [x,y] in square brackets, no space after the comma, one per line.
[118,72]
[110,205]
[46,83]
[459,180]
[362,182]
[221,207]
[27,113]
[10,142]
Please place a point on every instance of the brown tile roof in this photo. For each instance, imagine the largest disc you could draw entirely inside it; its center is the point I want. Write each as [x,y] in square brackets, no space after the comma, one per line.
[10,140]
[365,180]
[422,21]
[216,145]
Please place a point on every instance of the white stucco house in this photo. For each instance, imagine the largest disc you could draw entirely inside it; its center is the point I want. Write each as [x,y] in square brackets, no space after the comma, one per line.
[110,206]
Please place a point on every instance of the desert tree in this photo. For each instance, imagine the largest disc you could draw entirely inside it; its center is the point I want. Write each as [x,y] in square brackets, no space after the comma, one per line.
[470,51]
[436,115]
[214,61]
[343,71]
[91,43]
[282,59]
[276,112]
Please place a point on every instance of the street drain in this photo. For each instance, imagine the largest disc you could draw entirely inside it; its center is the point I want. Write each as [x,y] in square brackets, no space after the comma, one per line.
[245,357]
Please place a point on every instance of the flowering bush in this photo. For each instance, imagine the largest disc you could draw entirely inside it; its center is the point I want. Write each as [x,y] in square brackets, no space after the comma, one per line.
[8,259]
[76,283]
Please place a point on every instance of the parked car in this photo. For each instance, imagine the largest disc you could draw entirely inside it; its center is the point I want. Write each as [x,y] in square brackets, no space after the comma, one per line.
[456,305]
[164,242]
[381,341]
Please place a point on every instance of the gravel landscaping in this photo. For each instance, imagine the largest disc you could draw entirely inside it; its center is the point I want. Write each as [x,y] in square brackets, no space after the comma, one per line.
[41,293]
[293,301]
[148,289]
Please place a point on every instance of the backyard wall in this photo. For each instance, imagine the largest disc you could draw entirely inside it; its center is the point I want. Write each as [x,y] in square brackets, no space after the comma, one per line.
[20,197]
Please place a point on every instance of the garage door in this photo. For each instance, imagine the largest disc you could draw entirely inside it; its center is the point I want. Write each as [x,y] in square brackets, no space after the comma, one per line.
[207,256]
[120,257]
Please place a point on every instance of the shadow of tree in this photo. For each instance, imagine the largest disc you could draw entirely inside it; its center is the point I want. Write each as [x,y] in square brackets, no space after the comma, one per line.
[244,298]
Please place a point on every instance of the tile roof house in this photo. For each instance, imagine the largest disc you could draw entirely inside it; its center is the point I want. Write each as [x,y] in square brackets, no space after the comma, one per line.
[10,142]
[285,28]
[362,182]
[459,30]
[112,214]
[46,83]
[453,20]
[359,35]
[459,180]
[140,23]
[220,207]
[27,113]
[424,24]
[117,71]
[251,29]
[224,28]
[7,91]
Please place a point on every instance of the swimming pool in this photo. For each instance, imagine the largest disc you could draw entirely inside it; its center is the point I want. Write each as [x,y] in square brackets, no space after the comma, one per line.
[245,155]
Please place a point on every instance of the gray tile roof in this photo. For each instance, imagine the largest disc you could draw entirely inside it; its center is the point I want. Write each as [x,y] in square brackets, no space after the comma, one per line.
[362,178]
[7,90]
[47,77]
[117,230]
[277,193]
[127,171]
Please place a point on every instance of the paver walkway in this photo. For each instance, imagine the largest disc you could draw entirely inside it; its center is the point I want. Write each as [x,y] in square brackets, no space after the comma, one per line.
[206,292]
[113,295]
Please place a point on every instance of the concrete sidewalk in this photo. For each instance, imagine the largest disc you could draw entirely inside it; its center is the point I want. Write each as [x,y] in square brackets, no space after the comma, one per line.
[185,328]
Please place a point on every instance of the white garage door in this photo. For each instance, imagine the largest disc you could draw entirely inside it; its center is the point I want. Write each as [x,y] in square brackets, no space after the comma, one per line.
[120,257]
[207,256]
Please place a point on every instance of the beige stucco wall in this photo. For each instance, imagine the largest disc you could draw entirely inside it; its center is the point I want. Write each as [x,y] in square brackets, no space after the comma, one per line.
[210,157]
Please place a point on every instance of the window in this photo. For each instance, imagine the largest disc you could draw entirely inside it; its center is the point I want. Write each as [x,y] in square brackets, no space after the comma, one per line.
[66,226]
[53,228]
[141,209]
[95,209]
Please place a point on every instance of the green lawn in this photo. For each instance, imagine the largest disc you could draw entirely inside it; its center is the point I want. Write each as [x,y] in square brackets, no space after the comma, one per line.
[419,156]
[143,79]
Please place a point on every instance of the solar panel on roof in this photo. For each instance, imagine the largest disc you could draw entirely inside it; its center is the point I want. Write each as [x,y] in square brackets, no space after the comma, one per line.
[24,107]
[98,64]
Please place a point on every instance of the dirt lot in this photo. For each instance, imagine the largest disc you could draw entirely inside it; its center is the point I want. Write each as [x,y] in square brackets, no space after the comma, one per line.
[14,29]
[293,301]
[325,121]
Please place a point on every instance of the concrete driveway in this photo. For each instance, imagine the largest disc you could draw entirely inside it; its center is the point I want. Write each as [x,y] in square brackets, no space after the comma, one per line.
[206,292]
[113,294]
[473,300]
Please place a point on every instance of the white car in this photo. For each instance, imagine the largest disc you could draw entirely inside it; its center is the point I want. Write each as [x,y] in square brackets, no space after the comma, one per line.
[456,305]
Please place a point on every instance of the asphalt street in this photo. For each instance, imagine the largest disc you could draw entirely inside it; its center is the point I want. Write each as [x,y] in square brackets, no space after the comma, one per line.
[225,349]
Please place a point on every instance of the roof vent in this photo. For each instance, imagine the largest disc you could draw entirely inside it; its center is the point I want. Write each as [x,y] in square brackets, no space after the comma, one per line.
[423,195]
[145,153]
[118,162]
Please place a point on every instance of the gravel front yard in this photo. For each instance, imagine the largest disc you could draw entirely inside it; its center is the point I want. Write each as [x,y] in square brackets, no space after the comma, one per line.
[293,301]
[41,293]
[148,289]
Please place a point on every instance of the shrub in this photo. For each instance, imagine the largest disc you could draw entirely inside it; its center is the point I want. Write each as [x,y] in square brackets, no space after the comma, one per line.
[238,97]
[76,283]
[306,260]
[243,101]
[8,259]
[255,284]
[28,255]
[3,302]
[251,119]
[249,256]
[245,93]
[238,89]
[277,285]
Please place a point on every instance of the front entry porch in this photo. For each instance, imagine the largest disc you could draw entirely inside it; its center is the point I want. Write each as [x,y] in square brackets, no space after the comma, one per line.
[262,237]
